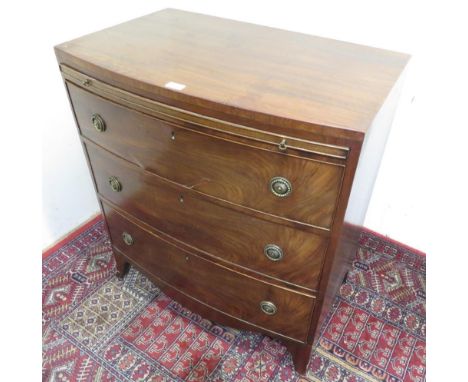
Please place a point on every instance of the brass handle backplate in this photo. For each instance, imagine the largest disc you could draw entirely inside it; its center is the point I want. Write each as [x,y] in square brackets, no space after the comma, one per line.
[268,307]
[115,184]
[273,252]
[280,186]
[98,123]
[127,238]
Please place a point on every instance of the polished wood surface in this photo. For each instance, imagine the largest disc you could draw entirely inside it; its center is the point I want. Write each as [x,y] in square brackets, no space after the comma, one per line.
[217,167]
[220,231]
[194,163]
[121,264]
[218,286]
[204,123]
[208,312]
[300,355]
[242,69]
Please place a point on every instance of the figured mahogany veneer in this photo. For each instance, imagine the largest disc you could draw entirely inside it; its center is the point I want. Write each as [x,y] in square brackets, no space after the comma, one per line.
[218,230]
[217,167]
[171,265]
[185,120]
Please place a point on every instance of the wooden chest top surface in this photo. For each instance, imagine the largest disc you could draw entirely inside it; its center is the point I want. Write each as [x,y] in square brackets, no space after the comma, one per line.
[240,68]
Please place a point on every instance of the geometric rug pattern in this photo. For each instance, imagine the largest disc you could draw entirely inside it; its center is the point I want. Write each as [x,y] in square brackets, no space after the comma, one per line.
[99,328]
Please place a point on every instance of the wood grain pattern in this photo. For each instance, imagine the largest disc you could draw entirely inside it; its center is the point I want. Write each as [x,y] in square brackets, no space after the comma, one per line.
[204,193]
[211,283]
[243,70]
[217,167]
[221,232]
[213,126]
[215,315]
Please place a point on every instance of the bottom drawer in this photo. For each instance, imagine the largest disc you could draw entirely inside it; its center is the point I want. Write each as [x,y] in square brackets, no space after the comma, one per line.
[267,306]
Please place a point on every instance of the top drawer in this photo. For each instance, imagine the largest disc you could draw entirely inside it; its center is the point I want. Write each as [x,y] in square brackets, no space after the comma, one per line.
[239,172]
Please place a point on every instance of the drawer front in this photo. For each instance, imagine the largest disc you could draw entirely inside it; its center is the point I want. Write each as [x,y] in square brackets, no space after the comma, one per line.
[229,170]
[221,231]
[230,292]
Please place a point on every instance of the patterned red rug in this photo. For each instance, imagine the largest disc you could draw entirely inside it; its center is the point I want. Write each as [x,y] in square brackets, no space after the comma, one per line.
[97,328]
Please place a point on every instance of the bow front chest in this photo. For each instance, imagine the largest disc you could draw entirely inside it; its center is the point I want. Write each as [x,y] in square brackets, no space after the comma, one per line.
[233,163]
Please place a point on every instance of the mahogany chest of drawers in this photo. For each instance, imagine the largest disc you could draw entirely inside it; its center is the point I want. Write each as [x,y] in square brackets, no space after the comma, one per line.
[233,163]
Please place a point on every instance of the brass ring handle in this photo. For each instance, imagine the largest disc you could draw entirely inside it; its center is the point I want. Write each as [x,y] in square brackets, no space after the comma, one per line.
[98,123]
[268,307]
[127,238]
[273,252]
[280,186]
[115,184]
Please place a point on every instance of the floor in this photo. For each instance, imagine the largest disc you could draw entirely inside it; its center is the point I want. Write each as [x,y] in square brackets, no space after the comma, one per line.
[99,328]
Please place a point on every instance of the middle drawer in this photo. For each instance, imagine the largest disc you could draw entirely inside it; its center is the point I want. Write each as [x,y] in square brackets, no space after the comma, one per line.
[279,251]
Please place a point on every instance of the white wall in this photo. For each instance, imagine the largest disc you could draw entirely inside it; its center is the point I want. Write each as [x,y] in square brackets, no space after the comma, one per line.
[68,197]
[398,207]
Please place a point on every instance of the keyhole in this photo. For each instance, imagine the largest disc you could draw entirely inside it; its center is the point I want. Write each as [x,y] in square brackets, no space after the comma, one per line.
[181,199]
[173,136]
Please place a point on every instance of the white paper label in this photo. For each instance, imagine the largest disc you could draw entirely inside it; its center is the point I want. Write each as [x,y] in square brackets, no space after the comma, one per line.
[174,86]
